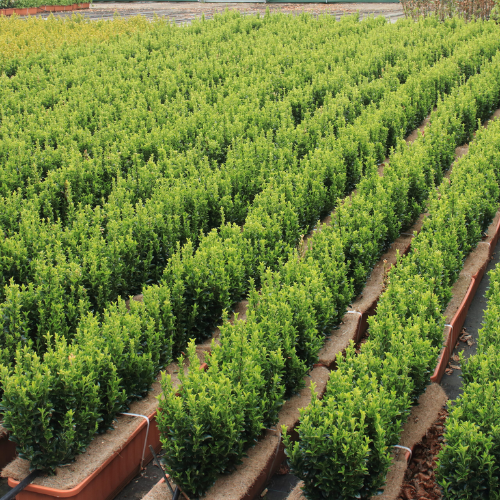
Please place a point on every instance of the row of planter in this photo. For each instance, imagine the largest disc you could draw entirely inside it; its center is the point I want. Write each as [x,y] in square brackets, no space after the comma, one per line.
[358,330]
[430,405]
[342,253]
[468,465]
[370,394]
[198,287]
[371,257]
[453,327]
[31,11]
[129,457]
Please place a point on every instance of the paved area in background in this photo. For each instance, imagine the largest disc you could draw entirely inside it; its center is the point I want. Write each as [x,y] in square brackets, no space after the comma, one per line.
[185,12]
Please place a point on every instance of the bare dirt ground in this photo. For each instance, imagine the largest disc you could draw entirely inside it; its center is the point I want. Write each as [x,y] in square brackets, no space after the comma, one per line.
[185,12]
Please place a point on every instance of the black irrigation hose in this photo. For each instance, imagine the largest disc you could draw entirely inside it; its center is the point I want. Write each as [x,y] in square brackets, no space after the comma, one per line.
[177,492]
[25,482]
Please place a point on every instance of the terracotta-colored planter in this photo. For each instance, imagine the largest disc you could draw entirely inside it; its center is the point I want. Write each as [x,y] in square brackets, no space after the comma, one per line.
[456,324]
[58,8]
[67,8]
[7,448]
[111,477]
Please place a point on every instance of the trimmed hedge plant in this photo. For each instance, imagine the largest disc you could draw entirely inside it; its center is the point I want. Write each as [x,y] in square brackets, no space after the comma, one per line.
[469,464]
[169,218]
[371,393]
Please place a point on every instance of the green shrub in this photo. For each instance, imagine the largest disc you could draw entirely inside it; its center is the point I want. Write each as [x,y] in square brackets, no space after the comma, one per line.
[469,463]
[14,324]
[337,436]
[467,468]
[205,282]
[50,407]
[202,423]
[131,341]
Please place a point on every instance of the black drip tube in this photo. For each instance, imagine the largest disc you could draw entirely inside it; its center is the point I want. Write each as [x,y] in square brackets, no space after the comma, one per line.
[20,487]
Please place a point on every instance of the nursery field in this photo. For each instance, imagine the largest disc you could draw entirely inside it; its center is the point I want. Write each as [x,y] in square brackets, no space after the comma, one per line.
[154,178]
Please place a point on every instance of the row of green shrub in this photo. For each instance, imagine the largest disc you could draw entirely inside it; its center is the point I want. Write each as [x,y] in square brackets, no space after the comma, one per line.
[57,296]
[65,186]
[345,440]
[59,273]
[217,414]
[126,243]
[469,464]
[120,353]
[195,89]
[109,252]
[197,187]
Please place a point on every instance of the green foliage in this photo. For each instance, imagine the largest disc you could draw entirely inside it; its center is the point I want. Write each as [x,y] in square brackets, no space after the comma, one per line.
[467,467]
[341,453]
[469,463]
[325,250]
[338,435]
[131,342]
[15,324]
[202,423]
[116,182]
[360,224]
[205,282]
[50,407]
[271,228]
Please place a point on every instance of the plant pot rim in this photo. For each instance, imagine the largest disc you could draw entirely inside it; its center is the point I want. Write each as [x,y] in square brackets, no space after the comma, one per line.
[57,493]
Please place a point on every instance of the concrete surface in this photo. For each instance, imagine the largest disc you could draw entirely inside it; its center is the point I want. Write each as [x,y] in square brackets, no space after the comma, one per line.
[185,12]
